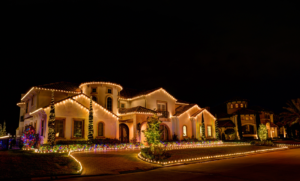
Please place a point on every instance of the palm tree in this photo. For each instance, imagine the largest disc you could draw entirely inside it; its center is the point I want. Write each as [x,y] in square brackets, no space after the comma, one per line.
[292,115]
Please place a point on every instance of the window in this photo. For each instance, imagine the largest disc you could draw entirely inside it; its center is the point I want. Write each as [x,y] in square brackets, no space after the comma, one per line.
[26,107]
[184,131]
[236,105]
[122,105]
[231,106]
[42,128]
[109,103]
[200,130]
[59,129]
[247,117]
[164,132]
[251,118]
[109,91]
[101,129]
[32,100]
[94,89]
[242,105]
[78,129]
[208,130]
[94,98]
[161,106]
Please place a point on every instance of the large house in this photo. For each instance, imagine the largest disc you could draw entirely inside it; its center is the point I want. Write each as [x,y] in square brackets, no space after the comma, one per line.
[227,117]
[118,114]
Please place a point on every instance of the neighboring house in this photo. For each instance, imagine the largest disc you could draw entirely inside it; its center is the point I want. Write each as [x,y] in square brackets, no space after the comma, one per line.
[118,114]
[227,117]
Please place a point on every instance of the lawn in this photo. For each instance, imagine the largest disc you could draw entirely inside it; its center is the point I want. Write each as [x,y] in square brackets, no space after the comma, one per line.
[25,164]
[202,152]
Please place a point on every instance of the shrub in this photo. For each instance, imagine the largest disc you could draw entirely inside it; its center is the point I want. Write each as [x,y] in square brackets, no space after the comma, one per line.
[262,132]
[159,153]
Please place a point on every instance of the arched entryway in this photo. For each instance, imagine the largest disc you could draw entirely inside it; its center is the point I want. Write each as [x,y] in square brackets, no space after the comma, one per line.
[124,133]
[143,128]
[164,132]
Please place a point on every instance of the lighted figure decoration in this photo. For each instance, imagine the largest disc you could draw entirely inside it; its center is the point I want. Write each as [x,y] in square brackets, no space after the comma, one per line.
[203,128]
[239,122]
[257,119]
[152,132]
[29,137]
[262,132]
[51,124]
[91,126]
[217,129]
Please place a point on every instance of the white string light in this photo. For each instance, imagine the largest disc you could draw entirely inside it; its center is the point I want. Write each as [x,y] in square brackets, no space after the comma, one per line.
[107,83]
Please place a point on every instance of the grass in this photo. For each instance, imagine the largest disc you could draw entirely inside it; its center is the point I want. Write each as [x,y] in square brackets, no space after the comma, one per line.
[26,164]
[202,152]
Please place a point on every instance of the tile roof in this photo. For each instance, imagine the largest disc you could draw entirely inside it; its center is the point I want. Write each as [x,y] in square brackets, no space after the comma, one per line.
[226,123]
[135,109]
[67,86]
[197,112]
[181,109]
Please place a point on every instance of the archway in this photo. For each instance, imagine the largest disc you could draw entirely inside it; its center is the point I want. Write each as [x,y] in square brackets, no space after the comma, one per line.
[123,133]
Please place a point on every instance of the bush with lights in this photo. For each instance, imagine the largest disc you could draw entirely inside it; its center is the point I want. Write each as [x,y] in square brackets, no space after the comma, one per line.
[29,138]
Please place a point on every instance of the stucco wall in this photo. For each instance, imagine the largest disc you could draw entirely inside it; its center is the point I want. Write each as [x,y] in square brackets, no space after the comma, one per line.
[151,101]
[138,102]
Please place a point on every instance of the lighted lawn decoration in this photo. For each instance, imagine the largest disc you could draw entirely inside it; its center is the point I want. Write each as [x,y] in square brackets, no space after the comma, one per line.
[229,132]
[262,132]
[203,128]
[51,124]
[29,137]
[152,132]
[91,127]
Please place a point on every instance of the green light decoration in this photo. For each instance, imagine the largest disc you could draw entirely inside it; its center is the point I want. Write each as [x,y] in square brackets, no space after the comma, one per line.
[217,129]
[262,132]
[203,128]
[91,126]
[51,123]
[152,132]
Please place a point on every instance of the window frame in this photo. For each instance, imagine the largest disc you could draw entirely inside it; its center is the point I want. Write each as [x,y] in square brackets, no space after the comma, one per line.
[185,131]
[111,103]
[64,127]
[236,105]
[111,90]
[83,128]
[162,102]
[122,104]
[92,88]
[103,131]
[42,127]
[209,135]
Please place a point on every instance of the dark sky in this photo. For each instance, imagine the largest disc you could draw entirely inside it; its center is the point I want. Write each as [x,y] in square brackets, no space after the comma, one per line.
[204,53]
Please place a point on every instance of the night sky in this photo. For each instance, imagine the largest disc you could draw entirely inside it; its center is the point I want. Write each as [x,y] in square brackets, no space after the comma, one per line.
[203,53]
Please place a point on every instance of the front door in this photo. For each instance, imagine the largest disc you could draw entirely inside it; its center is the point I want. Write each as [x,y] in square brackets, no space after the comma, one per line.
[124,133]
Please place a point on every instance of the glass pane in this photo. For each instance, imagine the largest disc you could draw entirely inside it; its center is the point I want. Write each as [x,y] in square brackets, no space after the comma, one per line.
[78,129]
[100,129]
[184,130]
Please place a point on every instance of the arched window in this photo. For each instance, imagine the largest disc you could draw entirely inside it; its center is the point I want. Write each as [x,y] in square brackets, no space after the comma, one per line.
[109,103]
[184,131]
[236,105]
[100,129]
[242,105]
[231,106]
[94,98]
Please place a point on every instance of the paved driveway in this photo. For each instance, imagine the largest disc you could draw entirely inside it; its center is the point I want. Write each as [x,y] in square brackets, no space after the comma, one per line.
[111,162]
[279,165]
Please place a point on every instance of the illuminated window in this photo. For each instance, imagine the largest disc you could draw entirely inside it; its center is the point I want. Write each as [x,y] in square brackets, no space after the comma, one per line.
[251,118]
[236,105]
[247,118]
[184,131]
[100,129]
[231,106]
[109,104]
[200,130]
[78,129]
[242,105]
[161,106]
[59,128]
[208,130]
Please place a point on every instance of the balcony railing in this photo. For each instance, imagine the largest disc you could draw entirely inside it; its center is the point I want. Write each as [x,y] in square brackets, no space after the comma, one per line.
[164,114]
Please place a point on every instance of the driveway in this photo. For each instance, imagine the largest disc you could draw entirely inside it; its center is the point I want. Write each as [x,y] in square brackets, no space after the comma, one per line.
[111,162]
[279,165]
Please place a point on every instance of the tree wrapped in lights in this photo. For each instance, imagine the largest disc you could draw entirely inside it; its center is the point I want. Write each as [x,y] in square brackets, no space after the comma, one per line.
[262,132]
[51,123]
[4,129]
[217,129]
[203,128]
[91,126]
[152,132]
[29,137]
